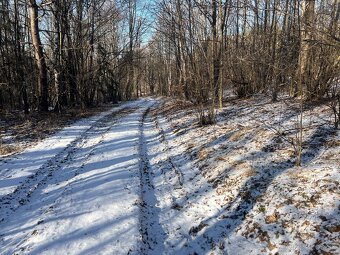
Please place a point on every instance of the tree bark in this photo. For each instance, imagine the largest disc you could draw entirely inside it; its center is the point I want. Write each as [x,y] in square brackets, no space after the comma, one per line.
[39,56]
[306,58]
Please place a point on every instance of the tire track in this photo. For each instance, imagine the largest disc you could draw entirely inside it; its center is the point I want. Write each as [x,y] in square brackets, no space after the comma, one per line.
[83,157]
[152,233]
[21,195]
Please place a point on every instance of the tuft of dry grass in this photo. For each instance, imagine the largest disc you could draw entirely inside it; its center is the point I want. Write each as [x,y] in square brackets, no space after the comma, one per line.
[8,149]
[239,134]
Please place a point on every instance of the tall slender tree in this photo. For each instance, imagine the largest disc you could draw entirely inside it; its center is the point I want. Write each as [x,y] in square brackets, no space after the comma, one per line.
[39,55]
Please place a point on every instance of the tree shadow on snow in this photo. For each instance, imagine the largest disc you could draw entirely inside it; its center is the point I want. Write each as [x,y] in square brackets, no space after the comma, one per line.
[211,231]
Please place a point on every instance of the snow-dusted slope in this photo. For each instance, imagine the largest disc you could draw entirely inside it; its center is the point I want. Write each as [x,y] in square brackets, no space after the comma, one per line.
[233,188]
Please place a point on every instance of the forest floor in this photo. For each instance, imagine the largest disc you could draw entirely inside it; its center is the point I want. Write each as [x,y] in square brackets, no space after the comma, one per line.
[145,178]
[18,131]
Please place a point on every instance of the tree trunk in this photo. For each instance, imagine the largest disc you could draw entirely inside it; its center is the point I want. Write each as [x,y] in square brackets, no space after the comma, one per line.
[39,56]
[306,57]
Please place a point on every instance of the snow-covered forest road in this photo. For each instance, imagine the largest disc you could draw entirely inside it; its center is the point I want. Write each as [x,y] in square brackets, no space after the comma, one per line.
[82,191]
[145,178]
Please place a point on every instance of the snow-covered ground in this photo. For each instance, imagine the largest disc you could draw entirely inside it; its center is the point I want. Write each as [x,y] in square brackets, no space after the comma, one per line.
[233,187]
[79,190]
[144,178]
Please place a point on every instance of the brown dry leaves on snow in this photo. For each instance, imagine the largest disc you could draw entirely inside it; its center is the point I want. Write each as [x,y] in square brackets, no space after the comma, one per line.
[249,156]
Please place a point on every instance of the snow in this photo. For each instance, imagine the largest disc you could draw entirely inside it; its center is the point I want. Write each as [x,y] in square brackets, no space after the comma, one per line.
[241,192]
[19,167]
[90,201]
[145,178]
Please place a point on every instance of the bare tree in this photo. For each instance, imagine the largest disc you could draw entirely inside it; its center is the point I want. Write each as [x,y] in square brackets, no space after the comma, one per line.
[39,55]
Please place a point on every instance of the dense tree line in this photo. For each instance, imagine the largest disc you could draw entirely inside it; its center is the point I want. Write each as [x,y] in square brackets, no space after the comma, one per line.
[57,54]
[201,48]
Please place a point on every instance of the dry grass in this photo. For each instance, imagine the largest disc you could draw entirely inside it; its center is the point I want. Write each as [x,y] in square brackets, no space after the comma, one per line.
[238,135]
[8,149]
[333,143]
[203,154]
